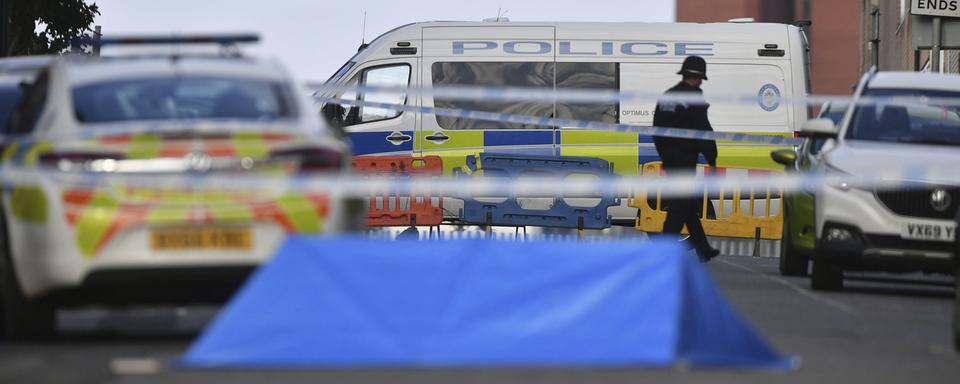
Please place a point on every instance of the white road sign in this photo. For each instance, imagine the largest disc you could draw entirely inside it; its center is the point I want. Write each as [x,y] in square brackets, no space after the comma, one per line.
[948,8]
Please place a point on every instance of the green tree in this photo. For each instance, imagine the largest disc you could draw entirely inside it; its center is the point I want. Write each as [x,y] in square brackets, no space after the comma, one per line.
[61,20]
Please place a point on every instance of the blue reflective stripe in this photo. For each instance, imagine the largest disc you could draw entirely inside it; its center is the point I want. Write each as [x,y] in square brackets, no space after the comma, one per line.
[494,138]
[365,143]
[646,155]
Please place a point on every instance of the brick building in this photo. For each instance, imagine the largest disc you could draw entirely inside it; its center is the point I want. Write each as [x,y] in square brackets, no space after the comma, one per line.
[897,48]
[835,36]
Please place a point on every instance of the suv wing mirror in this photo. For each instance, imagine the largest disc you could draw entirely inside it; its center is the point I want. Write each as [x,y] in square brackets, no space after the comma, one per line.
[786,156]
[819,129]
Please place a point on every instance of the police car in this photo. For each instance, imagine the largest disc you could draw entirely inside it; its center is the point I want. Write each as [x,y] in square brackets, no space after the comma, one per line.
[222,113]
[799,237]
[907,229]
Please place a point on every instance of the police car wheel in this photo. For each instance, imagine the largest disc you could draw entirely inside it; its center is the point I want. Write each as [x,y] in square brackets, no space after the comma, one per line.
[826,276]
[23,318]
[792,263]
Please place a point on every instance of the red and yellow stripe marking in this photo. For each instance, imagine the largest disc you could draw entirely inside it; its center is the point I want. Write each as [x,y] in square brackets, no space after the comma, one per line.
[98,216]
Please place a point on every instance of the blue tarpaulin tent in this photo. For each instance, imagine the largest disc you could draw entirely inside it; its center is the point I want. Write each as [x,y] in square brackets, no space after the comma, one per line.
[352,302]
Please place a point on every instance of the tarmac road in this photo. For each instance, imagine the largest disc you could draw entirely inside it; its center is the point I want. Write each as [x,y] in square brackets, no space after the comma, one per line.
[881,329]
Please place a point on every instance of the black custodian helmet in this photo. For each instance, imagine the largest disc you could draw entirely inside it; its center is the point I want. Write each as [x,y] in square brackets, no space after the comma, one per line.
[694,66]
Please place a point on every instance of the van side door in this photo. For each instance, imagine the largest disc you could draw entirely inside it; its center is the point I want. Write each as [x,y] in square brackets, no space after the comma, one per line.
[381,131]
[487,56]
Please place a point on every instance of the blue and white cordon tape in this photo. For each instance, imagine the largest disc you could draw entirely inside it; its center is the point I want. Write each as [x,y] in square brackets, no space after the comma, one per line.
[570,123]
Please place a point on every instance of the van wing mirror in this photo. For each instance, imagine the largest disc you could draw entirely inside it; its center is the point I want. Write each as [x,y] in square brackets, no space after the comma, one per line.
[784,156]
[334,114]
[819,129]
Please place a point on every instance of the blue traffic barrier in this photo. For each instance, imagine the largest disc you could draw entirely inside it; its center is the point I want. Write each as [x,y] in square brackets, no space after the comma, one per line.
[560,214]
[352,302]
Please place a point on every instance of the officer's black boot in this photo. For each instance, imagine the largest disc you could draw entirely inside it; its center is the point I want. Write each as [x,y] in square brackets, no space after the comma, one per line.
[705,254]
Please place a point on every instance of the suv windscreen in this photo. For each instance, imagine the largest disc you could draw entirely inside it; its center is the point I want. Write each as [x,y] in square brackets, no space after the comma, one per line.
[907,116]
[165,98]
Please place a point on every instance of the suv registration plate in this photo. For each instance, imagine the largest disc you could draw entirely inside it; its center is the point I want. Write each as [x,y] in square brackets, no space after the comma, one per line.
[927,231]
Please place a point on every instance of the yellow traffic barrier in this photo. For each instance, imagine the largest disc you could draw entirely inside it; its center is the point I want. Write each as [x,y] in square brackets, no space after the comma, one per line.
[743,214]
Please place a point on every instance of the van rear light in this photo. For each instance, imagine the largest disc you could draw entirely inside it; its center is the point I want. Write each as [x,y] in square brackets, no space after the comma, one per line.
[311,159]
[78,160]
[796,134]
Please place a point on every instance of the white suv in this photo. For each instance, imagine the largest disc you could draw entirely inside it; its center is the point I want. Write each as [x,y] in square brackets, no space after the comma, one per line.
[908,229]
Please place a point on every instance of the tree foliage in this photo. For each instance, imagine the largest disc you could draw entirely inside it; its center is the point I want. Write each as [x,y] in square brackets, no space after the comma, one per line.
[60,20]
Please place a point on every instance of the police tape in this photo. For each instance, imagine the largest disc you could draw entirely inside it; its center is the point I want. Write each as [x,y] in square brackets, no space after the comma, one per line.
[572,123]
[346,185]
[604,96]
[178,127]
[505,94]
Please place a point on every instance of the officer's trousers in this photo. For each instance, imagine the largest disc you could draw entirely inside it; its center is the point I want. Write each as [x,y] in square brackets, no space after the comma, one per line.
[683,211]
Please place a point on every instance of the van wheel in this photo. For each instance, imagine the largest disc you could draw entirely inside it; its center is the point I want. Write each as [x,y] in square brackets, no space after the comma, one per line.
[826,276]
[792,263]
[23,318]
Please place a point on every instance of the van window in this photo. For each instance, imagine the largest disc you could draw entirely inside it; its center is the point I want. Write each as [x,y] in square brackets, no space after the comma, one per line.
[388,76]
[588,76]
[391,76]
[493,74]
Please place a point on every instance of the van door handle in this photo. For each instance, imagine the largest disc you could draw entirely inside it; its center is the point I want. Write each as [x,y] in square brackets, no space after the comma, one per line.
[397,138]
[437,137]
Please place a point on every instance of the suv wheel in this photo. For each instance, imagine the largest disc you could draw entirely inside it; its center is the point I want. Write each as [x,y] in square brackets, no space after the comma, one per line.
[23,318]
[826,276]
[792,263]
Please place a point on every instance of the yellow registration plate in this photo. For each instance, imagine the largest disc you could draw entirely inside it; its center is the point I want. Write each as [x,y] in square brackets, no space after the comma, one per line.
[200,238]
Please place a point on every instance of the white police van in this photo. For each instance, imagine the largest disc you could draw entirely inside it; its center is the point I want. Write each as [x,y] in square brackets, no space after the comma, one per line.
[765,62]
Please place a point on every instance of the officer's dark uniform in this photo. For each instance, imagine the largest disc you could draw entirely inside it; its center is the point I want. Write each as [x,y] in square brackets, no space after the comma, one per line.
[680,156]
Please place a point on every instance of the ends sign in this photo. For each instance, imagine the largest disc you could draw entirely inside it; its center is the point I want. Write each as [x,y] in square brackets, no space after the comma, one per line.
[948,8]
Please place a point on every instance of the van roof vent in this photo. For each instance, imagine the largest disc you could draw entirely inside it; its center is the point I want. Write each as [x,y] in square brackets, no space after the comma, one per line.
[741,20]
[500,19]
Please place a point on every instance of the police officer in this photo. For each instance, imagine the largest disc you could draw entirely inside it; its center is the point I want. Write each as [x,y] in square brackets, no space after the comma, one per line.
[680,156]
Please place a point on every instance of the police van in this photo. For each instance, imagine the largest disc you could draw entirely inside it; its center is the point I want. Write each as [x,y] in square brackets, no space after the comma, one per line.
[765,62]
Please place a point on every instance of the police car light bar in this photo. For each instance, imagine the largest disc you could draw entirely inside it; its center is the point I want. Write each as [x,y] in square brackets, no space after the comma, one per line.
[157,40]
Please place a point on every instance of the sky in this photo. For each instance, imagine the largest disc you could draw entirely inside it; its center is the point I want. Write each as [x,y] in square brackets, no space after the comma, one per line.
[313,38]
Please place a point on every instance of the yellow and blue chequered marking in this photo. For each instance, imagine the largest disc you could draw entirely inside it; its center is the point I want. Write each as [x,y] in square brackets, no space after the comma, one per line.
[627,151]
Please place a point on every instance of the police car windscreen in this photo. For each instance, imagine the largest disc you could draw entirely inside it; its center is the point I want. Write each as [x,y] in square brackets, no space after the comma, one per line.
[908,116]
[182,98]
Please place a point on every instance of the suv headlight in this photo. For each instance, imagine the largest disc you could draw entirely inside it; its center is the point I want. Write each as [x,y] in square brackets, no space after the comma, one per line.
[837,178]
